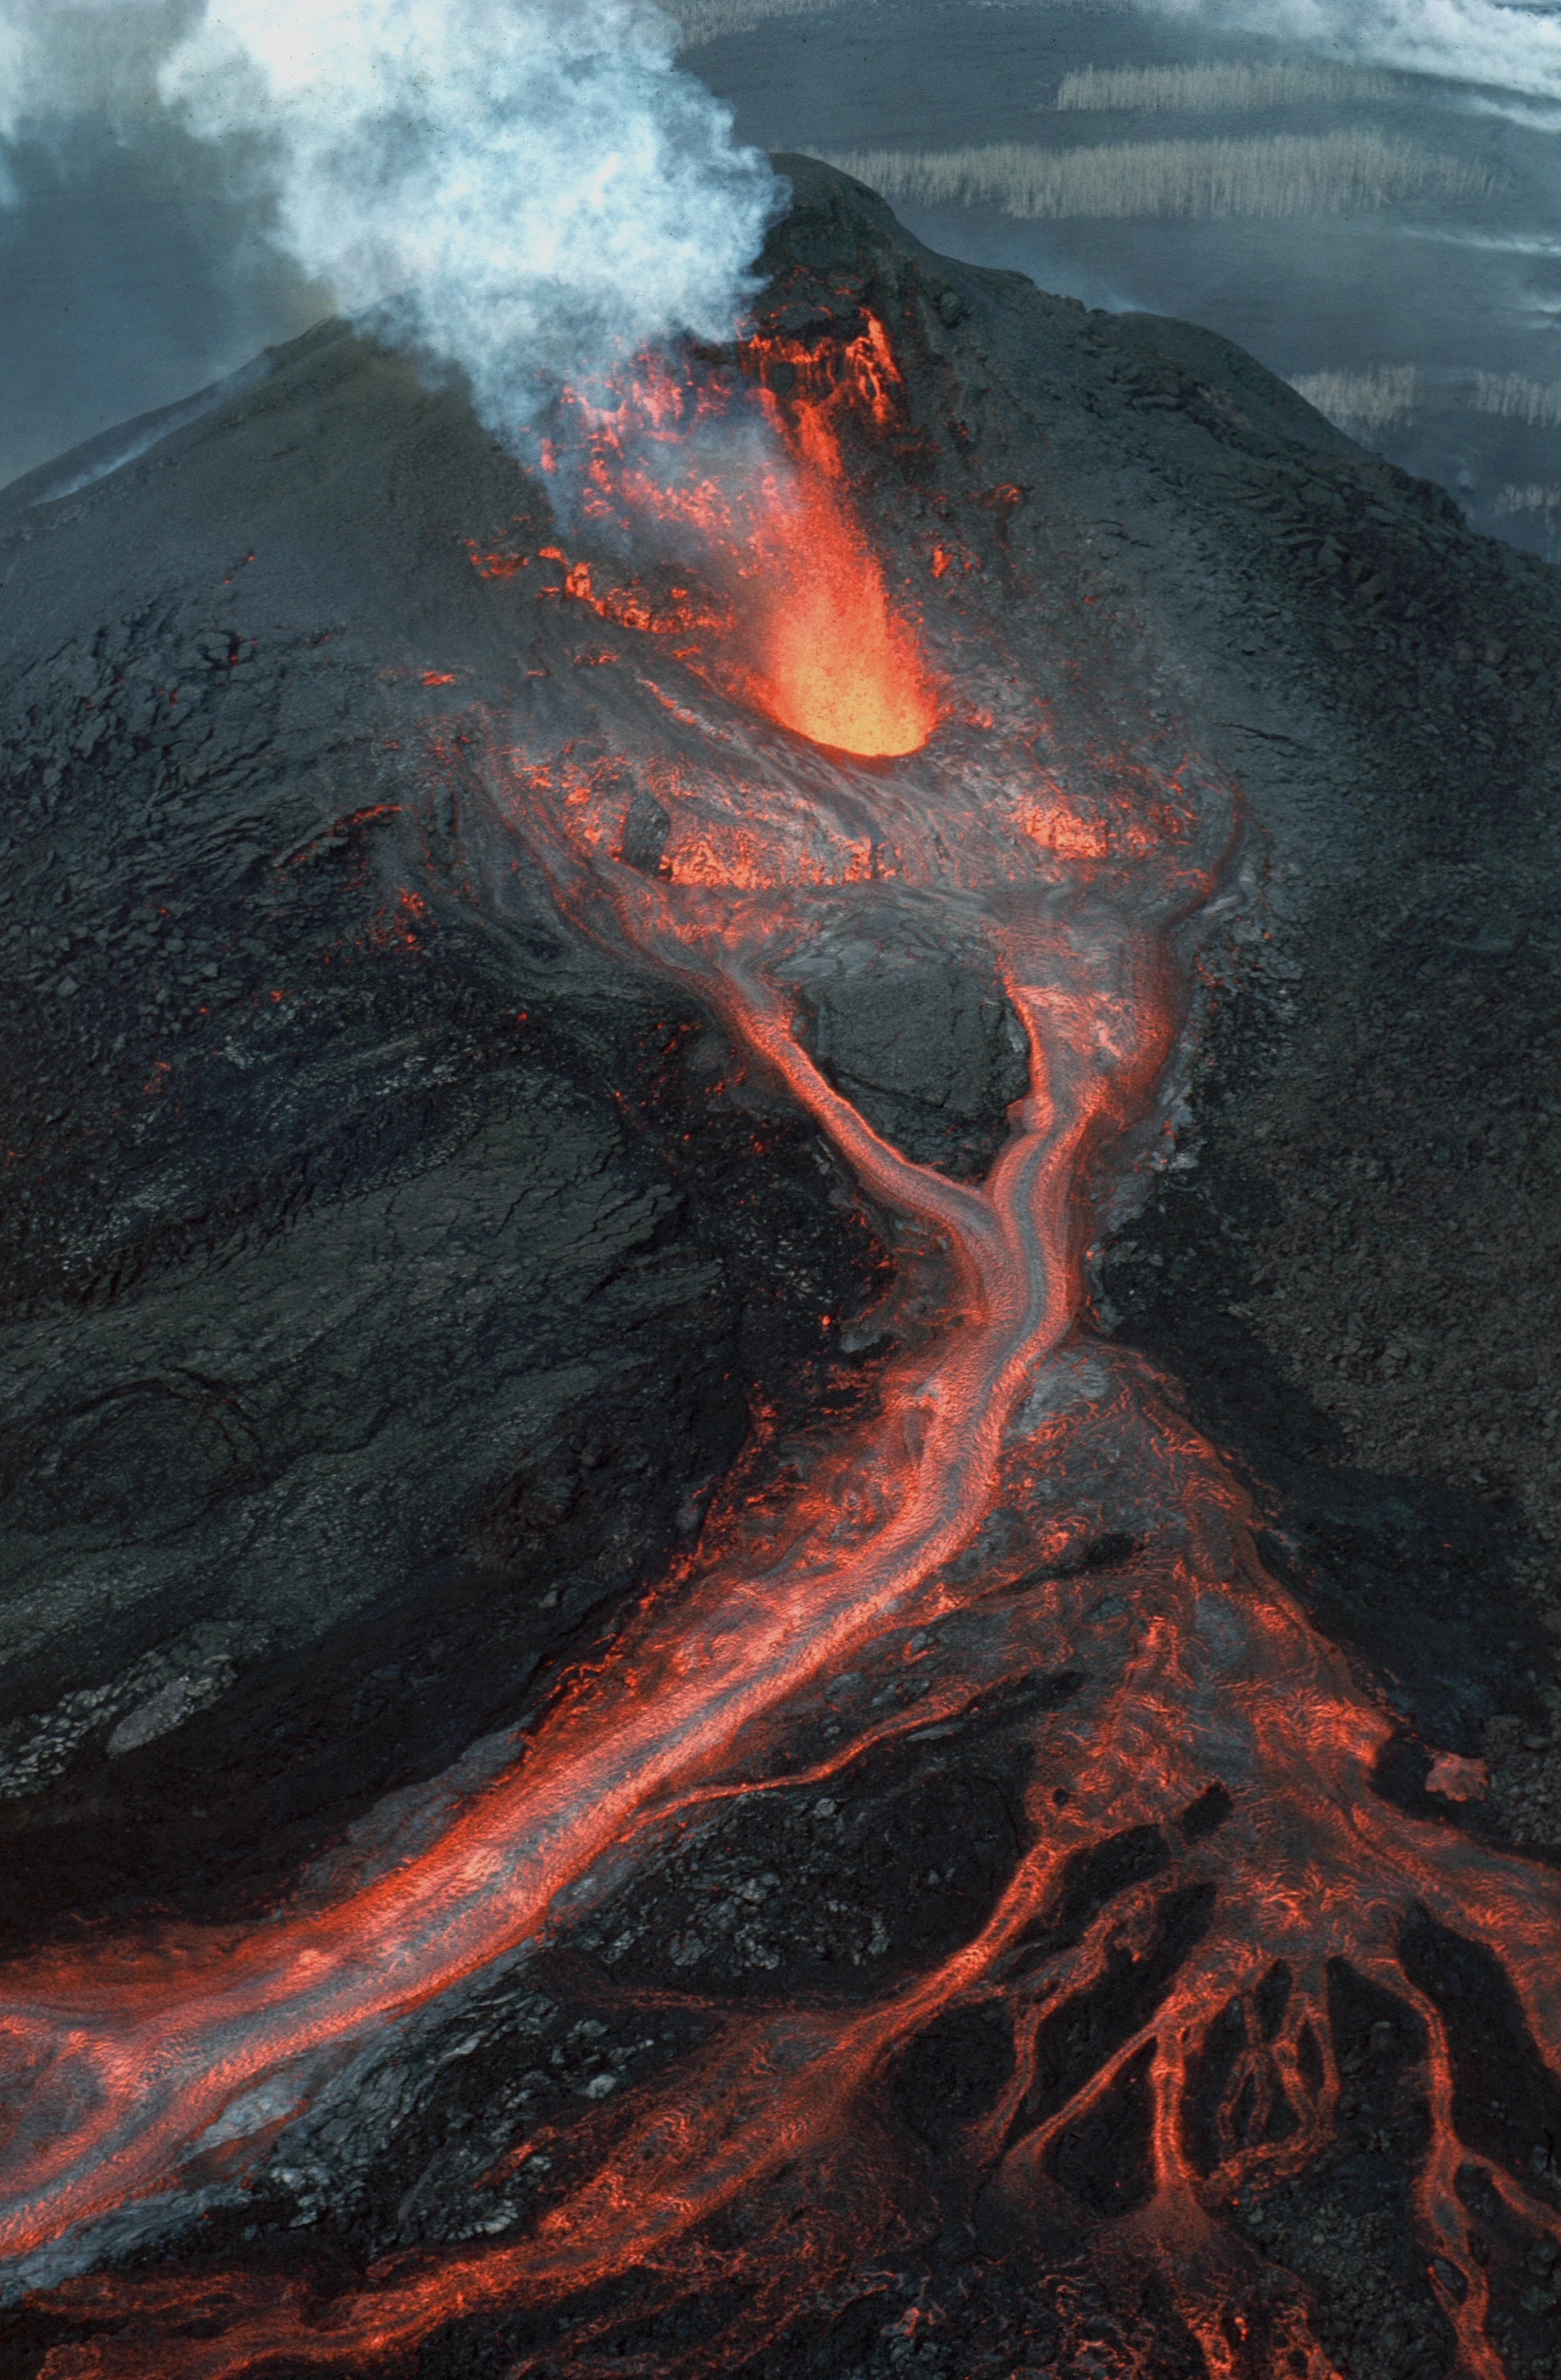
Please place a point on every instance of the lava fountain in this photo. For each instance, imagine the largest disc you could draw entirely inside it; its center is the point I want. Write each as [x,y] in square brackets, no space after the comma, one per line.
[834,662]
[1210,1728]
[753,493]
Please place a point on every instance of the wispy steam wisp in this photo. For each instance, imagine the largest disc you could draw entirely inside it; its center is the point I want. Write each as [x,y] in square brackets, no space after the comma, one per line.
[1515,48]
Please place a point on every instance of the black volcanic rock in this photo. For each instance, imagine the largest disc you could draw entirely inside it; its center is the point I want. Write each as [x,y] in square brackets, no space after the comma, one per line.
[388,1275]
[346,1270]
[928,1052]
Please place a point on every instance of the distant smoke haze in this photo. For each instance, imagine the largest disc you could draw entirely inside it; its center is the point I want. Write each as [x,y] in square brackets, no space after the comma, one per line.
[66,58]
[1512,47]
[1515,48]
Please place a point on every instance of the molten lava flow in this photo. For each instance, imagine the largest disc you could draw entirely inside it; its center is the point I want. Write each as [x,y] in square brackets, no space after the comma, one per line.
[1210,1727]
[835,663]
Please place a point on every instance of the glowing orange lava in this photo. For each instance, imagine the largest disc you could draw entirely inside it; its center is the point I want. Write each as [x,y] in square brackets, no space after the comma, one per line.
[836,663]
[832,663]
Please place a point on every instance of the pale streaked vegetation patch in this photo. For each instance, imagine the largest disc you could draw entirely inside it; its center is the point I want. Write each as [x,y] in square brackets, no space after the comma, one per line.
[1199,90]
[1374,399]
[1536,502]
[1536,402]
[706,20]
[1531,499]
[1341,173]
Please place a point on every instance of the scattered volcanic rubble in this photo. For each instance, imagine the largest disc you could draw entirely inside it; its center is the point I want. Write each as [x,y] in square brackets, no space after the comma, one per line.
[401,1284]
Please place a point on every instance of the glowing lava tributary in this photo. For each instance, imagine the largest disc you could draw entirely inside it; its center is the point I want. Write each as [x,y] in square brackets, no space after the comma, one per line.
[1217,1727]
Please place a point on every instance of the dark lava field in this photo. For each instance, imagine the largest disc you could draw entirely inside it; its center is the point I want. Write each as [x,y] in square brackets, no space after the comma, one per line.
[400,1287]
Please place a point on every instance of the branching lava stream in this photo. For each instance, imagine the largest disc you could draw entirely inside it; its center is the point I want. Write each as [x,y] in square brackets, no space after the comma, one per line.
[1213,1720]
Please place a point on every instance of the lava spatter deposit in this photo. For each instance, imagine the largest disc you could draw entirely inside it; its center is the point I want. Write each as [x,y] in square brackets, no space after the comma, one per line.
[1015,1576]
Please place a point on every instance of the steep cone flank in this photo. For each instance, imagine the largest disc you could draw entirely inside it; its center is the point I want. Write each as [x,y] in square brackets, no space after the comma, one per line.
[733,1685]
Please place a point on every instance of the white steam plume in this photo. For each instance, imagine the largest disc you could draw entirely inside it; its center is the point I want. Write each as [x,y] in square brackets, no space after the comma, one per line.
[525,188]
[1515,47]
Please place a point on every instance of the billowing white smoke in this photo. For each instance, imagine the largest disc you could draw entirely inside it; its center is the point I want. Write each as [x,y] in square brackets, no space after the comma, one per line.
[526,188]
[529,187]
[1513,47]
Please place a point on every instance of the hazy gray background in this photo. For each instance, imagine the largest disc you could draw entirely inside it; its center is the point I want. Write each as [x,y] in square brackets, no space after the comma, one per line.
[1386,235]
[127,279]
